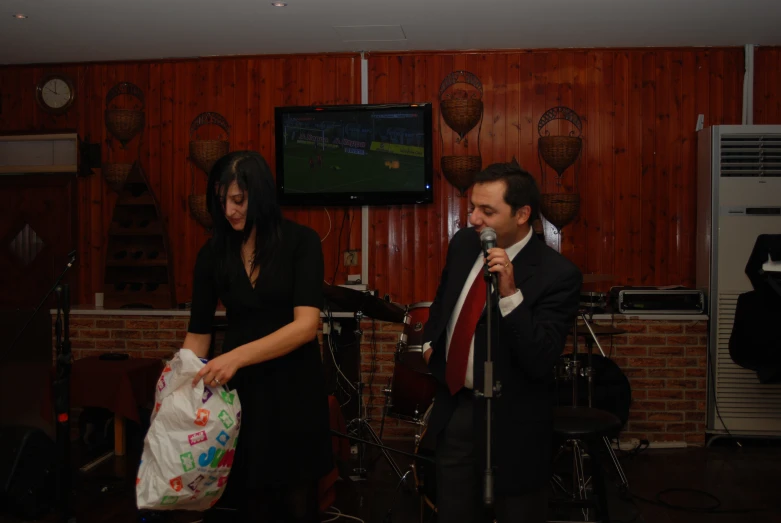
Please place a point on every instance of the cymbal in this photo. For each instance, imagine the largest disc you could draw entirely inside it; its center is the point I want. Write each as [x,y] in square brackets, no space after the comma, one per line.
[369,305]
[600,330]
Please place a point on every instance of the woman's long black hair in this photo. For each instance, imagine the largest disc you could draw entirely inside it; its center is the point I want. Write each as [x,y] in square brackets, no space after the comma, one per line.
[253,176]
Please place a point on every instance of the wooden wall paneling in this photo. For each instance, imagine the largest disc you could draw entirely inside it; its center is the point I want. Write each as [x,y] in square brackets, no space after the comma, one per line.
[622,174]
[434,254]
[716,87]
[166,196]
[673,146]
[636,172]
[767,85]
[395,275]
[378,222]
[606,225]
[733,86]
[575,246]
[663,161]
[590,193]
[527,127]
[649,185]
[688,184]
[242,105]
[635,126]
[154,130]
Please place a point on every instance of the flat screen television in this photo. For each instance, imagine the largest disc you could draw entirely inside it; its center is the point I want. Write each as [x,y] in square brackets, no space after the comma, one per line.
[354,154]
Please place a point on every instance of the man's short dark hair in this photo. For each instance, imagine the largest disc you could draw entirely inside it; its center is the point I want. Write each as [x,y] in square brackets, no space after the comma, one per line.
[521,187]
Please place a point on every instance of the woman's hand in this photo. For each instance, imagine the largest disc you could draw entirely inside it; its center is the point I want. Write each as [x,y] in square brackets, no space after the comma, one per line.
[218,371]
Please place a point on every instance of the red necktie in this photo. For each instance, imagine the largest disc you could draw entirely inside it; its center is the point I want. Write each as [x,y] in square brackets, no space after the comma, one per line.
[458,355]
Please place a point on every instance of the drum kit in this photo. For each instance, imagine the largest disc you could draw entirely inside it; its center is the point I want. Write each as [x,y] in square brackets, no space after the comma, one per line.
[410,393]
[596,381]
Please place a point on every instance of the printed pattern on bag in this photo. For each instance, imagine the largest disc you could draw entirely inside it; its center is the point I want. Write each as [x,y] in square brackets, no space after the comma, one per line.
[206,395]
[176,484]
[210,481]
[226,419]
[223,438]
[211,458]
[202,417]
[184,429]
[193,486]
[188,462]
[227,397]
[198,437]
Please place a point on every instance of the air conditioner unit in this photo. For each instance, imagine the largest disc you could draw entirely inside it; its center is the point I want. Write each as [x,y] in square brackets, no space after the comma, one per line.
[738,198]
[38,153]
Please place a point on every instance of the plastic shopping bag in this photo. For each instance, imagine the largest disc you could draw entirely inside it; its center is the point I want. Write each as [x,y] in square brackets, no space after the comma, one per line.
[188,451]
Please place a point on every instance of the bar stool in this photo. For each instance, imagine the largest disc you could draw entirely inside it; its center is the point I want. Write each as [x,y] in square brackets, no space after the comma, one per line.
[583,430]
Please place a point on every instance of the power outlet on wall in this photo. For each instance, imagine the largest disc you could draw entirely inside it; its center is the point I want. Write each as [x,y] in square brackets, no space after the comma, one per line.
[350,258]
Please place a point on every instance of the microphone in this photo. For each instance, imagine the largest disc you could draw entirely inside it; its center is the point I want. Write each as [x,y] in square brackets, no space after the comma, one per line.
[488,239]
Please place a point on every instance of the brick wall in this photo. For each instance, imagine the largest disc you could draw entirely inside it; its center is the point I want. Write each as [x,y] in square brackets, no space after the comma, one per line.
[665,362]
[140,336]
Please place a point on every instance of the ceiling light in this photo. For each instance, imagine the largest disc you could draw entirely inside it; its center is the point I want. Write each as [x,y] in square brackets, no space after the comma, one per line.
[279,4]
[20,16]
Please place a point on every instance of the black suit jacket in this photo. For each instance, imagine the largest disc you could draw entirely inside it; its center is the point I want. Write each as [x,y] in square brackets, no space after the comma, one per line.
[530,340]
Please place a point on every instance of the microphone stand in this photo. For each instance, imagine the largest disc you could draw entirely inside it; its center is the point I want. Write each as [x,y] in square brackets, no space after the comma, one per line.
[71,261]
[61,387]
[62,401]
[489,388]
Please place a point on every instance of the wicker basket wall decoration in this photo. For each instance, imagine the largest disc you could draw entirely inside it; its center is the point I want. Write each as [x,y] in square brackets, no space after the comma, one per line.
[116,174]
[204,153]
[199,210]
[559,152]
[124,124]
[461,108]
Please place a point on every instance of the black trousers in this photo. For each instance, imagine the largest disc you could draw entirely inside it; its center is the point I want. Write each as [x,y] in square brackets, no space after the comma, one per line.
[460,480]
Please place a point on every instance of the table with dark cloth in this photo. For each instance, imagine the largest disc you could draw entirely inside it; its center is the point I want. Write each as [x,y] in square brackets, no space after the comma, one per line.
[121,386]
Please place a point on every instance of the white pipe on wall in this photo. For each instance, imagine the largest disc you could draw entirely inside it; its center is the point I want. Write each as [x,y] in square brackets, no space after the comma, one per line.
[365,208]
[748,86]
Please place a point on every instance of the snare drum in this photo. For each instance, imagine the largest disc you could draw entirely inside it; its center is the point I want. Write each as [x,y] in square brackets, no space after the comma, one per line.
[409,349]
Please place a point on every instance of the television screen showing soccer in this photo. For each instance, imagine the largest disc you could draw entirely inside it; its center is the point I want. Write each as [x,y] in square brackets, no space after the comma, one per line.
[354,151]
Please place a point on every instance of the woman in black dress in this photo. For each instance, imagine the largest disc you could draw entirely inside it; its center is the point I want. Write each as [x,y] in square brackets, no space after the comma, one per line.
[268,272]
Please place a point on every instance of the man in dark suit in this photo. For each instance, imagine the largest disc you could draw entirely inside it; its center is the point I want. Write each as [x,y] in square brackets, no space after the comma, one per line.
[539,294]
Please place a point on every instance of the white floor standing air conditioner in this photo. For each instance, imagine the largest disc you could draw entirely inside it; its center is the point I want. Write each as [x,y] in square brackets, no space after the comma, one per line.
[738,198]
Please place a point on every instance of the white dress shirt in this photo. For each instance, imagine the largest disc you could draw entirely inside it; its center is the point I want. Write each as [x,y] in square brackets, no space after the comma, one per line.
[506,305]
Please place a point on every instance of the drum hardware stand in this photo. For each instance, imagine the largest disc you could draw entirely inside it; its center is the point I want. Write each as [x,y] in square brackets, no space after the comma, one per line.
[580,484]
[624,485]
[361,423]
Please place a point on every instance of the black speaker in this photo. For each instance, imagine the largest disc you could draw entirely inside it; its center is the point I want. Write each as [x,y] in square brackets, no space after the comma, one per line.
[89,156]
[27,472]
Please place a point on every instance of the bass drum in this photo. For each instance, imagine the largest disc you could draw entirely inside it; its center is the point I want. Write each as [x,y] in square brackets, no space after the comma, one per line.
[424,471]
